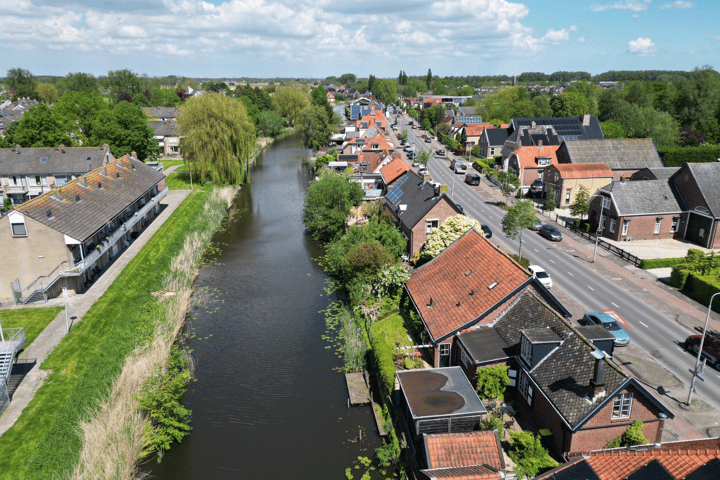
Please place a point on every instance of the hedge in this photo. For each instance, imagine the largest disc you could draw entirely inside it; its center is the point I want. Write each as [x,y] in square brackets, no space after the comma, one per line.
[586,226]
[650,263]
[679,156]
[703,288]
[382,353]
[679,275]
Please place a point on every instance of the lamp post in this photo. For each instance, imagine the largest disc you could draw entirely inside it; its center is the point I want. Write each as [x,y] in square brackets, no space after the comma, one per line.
[702,341]
[600,227]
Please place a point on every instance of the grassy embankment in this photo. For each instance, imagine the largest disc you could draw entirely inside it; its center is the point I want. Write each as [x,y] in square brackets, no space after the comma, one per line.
[33,320]
[100,366]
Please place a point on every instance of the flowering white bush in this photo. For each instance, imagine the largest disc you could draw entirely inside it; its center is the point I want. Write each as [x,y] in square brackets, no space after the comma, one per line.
[390,279]
[450,230]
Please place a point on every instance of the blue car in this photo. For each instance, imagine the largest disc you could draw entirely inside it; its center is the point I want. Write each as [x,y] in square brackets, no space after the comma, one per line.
[610,324]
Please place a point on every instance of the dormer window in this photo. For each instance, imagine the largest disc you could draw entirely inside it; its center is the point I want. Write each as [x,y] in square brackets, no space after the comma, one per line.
[526,349]
[543,161]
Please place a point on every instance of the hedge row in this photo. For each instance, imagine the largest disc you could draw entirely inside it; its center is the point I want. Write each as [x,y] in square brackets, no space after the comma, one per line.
[679,156]
[651,263]
[702,288]
[382,354]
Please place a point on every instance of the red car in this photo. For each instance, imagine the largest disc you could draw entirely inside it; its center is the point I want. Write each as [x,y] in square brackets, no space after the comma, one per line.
[711,347]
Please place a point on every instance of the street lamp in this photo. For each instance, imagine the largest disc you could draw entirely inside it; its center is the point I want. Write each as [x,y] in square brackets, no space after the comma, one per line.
[600,227]
[702,341]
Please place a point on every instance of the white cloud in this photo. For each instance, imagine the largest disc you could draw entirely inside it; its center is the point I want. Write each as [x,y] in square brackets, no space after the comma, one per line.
[642,46]
[132,31]
[632,5]
[581,39]
[679,4]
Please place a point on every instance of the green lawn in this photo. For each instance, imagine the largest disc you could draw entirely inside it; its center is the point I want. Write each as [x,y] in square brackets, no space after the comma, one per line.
[171,163]
[44,442]
[33,320]
[179,181]
[394,329]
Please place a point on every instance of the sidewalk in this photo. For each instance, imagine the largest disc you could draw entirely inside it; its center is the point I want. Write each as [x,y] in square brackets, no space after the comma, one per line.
[698,420]
[77,306]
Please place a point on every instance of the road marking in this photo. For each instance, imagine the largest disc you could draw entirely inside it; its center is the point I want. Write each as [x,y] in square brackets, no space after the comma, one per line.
[618,306]
[552,261]
[571,274]
[641,323]
[536,250]
[591,288]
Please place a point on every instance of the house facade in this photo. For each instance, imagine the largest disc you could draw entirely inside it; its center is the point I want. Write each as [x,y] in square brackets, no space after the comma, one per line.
[167,135]
[624,156]
[66,236]
[562,182]
[530,163]
[26,173]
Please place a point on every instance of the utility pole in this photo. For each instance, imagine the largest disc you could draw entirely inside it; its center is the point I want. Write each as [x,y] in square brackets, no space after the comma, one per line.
[699,355]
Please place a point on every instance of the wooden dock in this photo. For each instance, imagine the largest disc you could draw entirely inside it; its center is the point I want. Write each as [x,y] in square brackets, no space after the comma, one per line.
[358,389]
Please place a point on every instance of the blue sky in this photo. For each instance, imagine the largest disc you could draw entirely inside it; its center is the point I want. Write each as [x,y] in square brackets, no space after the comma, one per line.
[319,38]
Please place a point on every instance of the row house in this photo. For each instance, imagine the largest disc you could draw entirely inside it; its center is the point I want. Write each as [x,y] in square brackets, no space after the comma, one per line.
[530,163]
[562,182]
[167,135]
[624,156]
[26,173]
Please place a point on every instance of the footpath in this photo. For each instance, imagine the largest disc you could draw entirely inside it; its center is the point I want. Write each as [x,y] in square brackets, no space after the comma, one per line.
[77,306]
[695,421]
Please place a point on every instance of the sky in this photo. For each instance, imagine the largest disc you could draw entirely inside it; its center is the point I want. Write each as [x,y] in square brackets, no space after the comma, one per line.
[321,38]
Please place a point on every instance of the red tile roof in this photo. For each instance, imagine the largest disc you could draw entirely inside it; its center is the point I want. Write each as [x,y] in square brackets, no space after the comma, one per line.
[679,458]
[393,170]
[463,450]
[466,281]
[584,170]
[476,129]
[527,156]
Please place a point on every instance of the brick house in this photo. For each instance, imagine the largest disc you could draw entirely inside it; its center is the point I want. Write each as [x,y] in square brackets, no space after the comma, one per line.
[68,234]
[26,173]
[392,171]
[685,459]
[167,135]
[697,184]
[638,210]
[530,163]
[491,141]
[471,133]
[469,283]
[564,382]
[419,207]
[565,179]
[477,455]
[624,156]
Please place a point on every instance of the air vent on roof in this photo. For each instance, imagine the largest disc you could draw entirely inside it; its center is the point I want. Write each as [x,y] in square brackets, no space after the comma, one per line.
[492,285]
[472,292]
[457,304]
[430,303]
[77,198]
[88,159]
[467,274]
[117,174]
[44,160]
[99,185]
[49,215]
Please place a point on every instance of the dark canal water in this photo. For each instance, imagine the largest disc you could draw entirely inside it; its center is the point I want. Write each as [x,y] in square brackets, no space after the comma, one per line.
[267,403]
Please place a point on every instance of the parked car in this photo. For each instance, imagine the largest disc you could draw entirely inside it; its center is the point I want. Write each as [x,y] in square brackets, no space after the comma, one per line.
[409,148]
[711,347]
[536,187]
[462,210]
[486,230]
[542,276]
[411,154]
[440,152]
[403,142]
[428,140]
[551,233]
[417,164]
[423,170]
[472,179]
[605,320]
[537,225]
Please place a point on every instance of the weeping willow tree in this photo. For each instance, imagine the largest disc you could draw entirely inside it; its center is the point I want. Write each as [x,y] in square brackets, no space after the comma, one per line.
[217,138]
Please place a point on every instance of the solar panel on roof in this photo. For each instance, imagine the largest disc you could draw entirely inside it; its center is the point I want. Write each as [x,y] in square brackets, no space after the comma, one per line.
[395,193]
[44,160]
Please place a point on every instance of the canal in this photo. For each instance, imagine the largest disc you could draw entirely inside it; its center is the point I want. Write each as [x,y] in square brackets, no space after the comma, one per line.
[266,403]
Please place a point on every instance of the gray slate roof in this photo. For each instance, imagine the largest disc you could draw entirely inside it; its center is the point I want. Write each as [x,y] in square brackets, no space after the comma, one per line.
[659,173]
[161,112]
[57,161]
[618,154]
[418,196]
[168,128]
[496,136]
[645,198]
[103,194]
[707,176]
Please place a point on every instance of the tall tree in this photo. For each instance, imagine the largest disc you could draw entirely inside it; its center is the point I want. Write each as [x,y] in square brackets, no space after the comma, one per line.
[47,92]
[270,123]
[40,127]
[289,101]
[80,82]
[580,207]
[78,111]
[569,104]
[428,79]
[327,205]
[21,83]
[125,129]
[386,91]
[218,138]
[371,83]
[319,98]
[348,79]
[518,218]
[124,84]
[315,126]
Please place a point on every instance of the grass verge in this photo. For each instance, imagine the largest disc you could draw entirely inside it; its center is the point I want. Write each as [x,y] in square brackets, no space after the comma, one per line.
[33,320]
[45,442]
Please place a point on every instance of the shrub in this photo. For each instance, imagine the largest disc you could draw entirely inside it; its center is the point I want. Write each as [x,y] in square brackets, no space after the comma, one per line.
[529,455]
[679,276]
[365,260]
[382,353]
[632,436]
[704,287]
[492,382]
[493,422]
[679,156]
[522,261]
[650,263]
[550,205]
[586,226]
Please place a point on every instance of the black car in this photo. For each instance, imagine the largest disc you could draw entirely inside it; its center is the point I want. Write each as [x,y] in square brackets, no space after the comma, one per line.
[472,179]
[536,187]
[486,230]
[428,140]
[551,233]
[440,152]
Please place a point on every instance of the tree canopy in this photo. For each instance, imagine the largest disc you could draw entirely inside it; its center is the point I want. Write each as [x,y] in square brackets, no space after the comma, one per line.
[218,138]
[22,83]
[519,217]
[289,101]
[327,205]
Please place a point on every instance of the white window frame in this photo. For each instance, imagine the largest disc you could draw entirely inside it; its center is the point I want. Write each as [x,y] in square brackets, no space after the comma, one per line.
[675,223]
[622,406]
[17,220]
[540,174]
[61,179]
[568,193]
[525,389]
[625,226]
[605,202]
[612,225]
[444,349]
[602,221]
[658,223]
[431,224]
[526,349]
[543,161]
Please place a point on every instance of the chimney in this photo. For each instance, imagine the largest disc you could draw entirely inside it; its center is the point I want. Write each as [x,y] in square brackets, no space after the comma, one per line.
[17,148]
[426,177]
[443,188]
[597,384]
[586,119]
[436,189]
[540,144]
[533,124]
[133,154]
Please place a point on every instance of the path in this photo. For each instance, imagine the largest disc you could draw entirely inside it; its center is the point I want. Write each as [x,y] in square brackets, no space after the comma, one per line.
[77,306]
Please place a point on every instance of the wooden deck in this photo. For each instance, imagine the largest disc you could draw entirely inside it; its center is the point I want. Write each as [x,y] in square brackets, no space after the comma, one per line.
[358,390]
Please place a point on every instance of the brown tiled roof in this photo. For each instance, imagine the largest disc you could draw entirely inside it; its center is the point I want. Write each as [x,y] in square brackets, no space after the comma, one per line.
[584,170]
[476,129]
[679,458]
[393,170]
[527,156]
[476,472]
[81,207]
[464,450]
[462,284]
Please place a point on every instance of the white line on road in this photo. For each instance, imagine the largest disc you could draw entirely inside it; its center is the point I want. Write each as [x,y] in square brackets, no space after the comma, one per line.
[591,288]
[551,261]
[536,250]
[618,306]
[641,323]
[571,274]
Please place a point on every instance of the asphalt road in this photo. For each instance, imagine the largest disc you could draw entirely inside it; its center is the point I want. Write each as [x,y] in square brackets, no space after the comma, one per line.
[573,272]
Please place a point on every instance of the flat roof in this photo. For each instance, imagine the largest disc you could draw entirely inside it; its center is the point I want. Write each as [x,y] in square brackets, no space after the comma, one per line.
[485,344]
[438,392]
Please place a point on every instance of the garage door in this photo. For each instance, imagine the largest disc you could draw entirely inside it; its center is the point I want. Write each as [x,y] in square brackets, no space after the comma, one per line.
[699,229]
